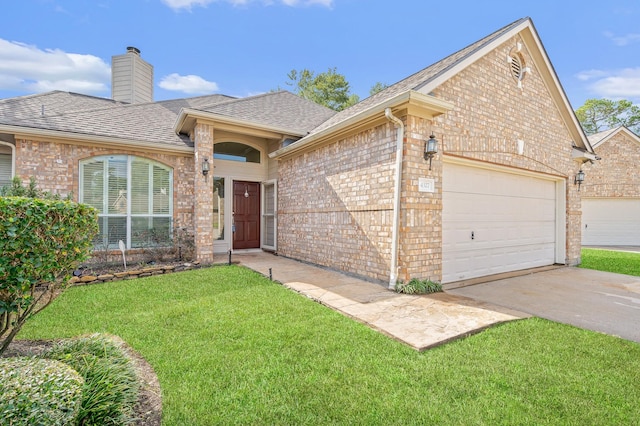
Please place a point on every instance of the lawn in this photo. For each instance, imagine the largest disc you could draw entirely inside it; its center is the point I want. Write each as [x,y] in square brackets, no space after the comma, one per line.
[611,261]
[231,347]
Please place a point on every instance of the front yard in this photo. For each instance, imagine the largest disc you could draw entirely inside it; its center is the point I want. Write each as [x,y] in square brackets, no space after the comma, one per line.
[231,347]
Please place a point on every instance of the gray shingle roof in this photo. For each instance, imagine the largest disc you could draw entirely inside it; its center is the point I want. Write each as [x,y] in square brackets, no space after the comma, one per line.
[278,109]
[153,122]
[51,103]
[417,80]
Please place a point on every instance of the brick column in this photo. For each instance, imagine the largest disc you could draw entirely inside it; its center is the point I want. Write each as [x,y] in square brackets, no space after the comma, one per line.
[203,194]
[421,212]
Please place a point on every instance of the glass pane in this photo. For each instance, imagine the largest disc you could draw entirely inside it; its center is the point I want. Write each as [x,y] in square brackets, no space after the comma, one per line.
[234,151]
[161,190]
[111,231]
[139,186]
[93,184]
[5,169]
[269,199]
[117,184]
[218,208]
[148,231]
[269,231]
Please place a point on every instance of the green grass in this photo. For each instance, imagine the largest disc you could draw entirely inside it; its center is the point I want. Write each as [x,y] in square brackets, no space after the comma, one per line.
[611,261]
[231,347]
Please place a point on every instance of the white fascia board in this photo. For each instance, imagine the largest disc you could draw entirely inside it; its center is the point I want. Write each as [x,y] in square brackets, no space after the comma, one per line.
[438,105]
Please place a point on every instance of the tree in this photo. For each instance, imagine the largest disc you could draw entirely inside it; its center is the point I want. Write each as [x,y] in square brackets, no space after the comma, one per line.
[378,87]
[330,88]
[597,115]
[41,241]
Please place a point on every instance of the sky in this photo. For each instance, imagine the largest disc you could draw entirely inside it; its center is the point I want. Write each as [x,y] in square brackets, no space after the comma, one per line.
[247,47]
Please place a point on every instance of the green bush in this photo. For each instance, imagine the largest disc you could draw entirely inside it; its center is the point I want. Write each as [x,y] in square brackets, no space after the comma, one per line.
[38,392]
[417,286]
[41,240]
[110,384]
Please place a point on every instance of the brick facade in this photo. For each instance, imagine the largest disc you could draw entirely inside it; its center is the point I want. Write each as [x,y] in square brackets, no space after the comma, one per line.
[56,167]
[617,173]
[335,202]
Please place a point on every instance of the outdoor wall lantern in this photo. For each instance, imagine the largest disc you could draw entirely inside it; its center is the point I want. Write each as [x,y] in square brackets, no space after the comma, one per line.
[430,149]
[579,179]
[205,166]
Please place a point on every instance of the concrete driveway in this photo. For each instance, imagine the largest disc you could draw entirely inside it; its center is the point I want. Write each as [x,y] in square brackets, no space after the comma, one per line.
[593,300]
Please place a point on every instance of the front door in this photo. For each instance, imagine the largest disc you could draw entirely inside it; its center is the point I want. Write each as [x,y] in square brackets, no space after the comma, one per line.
[246,215]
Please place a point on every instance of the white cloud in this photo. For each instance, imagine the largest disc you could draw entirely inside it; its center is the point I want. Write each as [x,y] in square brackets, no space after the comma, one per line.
[614,84]
[26,68]
[623,40]
[190,84]
[189,4]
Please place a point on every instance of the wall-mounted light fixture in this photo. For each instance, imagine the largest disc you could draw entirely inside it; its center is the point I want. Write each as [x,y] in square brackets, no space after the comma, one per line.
[579,179]
[430,149]
[205,166]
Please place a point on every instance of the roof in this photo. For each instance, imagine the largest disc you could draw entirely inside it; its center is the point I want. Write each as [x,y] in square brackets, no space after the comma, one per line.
[599,138]
[277,109]
[430,77]
[153,122]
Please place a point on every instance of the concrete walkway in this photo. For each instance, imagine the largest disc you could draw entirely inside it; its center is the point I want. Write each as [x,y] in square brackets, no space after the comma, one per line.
[419,321]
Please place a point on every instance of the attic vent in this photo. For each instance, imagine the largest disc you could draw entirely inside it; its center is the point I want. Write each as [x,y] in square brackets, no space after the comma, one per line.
[517,64]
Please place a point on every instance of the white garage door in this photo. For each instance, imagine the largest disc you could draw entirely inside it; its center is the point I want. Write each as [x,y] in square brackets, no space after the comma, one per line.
[495,222]
[611,222]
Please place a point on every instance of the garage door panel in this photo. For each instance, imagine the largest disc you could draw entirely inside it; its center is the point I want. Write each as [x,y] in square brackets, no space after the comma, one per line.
[512,217]
[610,221]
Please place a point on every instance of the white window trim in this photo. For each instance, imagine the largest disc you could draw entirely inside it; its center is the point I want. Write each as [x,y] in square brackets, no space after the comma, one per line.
[129,215]
[13,157]
[265,215]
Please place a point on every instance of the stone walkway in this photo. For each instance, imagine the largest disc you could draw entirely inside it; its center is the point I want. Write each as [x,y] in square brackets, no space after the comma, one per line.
[421,321]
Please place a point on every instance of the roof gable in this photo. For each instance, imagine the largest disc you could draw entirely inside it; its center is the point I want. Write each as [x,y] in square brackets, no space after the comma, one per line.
[600,138]
[426,80]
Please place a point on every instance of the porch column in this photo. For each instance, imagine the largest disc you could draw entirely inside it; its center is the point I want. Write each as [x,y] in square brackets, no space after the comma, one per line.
[203,193]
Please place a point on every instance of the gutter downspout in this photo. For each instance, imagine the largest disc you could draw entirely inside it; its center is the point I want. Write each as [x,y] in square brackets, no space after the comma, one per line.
[393,273]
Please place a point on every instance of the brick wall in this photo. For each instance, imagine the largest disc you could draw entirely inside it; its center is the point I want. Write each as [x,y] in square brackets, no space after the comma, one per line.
[335,202]
[617,173]
[55,165]
[203,194]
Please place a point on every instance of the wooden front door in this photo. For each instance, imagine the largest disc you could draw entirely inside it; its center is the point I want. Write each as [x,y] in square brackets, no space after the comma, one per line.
[246,215]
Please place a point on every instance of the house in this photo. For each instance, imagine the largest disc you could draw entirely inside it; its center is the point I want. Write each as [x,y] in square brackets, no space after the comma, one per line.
[464,169]
[611,190]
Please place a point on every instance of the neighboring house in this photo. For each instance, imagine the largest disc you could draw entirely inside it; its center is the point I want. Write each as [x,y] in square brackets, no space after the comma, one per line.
[353,190]
[611,190]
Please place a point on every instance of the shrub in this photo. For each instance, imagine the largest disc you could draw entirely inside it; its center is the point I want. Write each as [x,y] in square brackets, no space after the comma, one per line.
[110,385]
[41,240]
[38,391]
[417,286]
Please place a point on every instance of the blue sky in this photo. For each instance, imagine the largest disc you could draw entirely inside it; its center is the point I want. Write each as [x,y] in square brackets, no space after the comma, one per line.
[247,47]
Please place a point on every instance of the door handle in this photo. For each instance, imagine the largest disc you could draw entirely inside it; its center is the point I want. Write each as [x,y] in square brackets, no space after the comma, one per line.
[473,235]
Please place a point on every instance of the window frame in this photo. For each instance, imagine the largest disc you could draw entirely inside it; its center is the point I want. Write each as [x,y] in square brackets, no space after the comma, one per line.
[12,173]
[128,215]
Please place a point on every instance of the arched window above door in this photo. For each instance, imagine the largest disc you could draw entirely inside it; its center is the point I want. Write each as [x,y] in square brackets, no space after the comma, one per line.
[236,151]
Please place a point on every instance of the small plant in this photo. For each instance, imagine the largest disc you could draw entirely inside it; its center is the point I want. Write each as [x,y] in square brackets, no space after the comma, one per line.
[110,385]
[38,392]
[418,286]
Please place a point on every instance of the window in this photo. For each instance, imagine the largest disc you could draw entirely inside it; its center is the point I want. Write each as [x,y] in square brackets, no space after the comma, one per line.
[218,208]
[6,163]
[134,199]
[235,151]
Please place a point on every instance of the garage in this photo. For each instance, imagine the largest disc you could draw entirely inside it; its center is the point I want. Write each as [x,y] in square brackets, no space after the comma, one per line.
[497,221]
[611,221]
